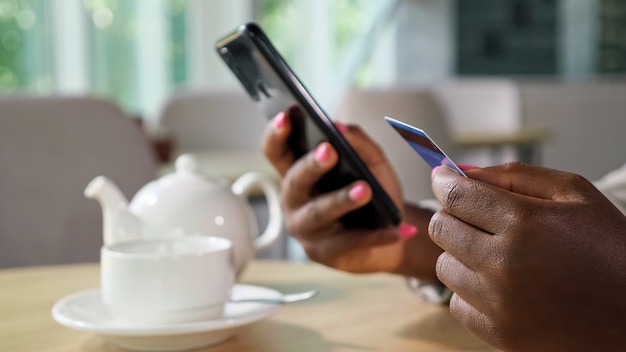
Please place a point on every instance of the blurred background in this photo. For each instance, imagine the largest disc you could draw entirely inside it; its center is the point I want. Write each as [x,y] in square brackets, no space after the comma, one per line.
[135,52]
[539,81]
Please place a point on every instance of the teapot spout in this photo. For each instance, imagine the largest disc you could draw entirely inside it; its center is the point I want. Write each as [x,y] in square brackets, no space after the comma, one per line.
[106,192]
[119,224]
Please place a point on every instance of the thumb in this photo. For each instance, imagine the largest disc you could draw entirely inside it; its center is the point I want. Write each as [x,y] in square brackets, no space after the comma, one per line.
[533,181]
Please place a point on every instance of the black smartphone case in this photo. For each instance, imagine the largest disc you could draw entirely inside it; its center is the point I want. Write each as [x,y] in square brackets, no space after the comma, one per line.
[272,84]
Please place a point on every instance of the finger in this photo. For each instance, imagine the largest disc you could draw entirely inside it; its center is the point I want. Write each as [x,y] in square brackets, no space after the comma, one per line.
[473,319]
[533,181]
[325,210]
[274,143]
[477,203]
[369,151]
[463,281]
[374,158]
[300,179]
[332,250]
[473,247]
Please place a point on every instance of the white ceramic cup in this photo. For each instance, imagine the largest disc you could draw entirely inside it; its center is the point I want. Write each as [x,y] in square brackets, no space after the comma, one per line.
[167,280]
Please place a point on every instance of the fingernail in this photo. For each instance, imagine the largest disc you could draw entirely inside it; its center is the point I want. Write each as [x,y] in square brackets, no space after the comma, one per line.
[467,166]
[341,127]
[279,120]
[407,230]
[432,173]
[321,153]
[357,192]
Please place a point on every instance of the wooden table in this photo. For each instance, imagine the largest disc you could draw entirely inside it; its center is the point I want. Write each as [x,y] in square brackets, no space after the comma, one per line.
[351,313]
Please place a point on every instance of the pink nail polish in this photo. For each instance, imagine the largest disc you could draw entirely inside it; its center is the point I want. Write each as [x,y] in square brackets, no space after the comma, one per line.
[279,120]
[467,166]
[432,173]
[407,230]
[357,192]
[341,127]
[321,153]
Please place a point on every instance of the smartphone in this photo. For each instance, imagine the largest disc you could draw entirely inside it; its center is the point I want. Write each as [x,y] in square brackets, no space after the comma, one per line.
[274,86]
[421,142]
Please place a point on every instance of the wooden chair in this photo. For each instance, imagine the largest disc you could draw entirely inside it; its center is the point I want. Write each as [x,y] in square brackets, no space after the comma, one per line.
[50,148]
[414,106]
[213,120]
[482,107]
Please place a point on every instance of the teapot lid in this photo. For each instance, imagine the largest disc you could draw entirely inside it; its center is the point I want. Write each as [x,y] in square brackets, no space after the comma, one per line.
[187,172]
[186,164]
[187,179]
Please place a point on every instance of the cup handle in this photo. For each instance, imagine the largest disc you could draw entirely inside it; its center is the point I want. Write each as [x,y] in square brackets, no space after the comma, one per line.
[242,187]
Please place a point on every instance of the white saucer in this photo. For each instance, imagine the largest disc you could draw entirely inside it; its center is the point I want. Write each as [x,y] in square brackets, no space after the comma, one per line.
[85,311]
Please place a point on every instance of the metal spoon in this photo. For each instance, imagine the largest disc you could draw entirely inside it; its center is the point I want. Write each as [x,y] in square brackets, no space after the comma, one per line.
[284,298]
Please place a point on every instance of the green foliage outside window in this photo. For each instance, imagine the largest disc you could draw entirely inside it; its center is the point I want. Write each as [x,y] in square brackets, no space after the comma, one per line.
[25,62]
[177,56]
[349,18]
[115,29]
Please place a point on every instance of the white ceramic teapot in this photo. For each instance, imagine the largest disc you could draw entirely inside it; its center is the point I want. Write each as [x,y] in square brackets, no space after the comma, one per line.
[188,202]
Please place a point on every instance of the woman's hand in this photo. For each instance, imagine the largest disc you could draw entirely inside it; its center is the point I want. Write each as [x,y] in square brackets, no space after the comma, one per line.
[314,219]
[536,258]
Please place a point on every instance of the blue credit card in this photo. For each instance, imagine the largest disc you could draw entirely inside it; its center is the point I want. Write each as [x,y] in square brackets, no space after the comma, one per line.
[423,145]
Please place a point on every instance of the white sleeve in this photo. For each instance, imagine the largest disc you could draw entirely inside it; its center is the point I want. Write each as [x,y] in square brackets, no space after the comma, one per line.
[613,186]
[431,204]
[429,292]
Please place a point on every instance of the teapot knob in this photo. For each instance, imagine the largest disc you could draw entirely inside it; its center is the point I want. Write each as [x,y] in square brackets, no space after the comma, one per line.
[186,163]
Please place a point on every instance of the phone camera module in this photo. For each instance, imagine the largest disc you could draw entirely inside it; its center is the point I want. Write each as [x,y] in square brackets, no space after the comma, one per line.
[263,89]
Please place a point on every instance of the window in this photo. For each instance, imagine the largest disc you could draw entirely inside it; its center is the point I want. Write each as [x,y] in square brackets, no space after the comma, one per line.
[513,37]
[345,19]
[613,34]
[25,46]
[136,52]
[342,34]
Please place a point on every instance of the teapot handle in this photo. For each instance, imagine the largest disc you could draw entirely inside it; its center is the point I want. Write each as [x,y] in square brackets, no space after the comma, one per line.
[242,187]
